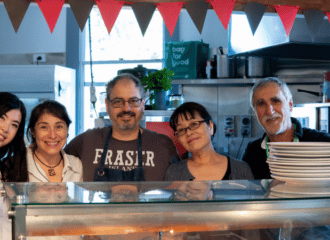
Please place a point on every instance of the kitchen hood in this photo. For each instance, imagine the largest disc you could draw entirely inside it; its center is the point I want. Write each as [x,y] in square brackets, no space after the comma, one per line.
[270,39]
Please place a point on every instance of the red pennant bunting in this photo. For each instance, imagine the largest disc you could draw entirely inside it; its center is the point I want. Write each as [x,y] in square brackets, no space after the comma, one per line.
[224,9]
[109,10]
[51,10]
[287,15]
[328,15]
[170,12]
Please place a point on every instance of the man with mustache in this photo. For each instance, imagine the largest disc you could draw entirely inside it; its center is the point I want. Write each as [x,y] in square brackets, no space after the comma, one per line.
[272,103]
[124,151]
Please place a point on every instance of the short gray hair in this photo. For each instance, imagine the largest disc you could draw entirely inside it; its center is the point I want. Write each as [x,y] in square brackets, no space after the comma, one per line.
[111,84]
[283,86]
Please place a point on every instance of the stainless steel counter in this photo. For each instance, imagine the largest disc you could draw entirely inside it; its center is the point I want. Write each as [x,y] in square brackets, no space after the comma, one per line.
[47,209]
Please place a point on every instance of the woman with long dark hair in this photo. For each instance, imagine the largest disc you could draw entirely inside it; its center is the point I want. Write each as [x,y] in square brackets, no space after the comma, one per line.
[13,164]
[13,167]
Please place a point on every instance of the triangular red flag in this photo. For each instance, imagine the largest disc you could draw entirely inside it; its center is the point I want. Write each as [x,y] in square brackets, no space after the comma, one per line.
[170,12]
[287,14]
[109,10]
[328,15]
[51,10]
[224,9]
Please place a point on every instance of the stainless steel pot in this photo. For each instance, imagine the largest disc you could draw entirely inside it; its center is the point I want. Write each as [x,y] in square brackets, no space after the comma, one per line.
[256,67]
[240,67]
[225,66]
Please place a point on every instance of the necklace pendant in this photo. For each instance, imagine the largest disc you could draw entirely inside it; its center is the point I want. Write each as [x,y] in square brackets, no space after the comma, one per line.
[51,172]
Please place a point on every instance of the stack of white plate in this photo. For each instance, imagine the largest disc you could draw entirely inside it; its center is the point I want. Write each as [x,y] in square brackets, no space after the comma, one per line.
[300,163]
[285,190]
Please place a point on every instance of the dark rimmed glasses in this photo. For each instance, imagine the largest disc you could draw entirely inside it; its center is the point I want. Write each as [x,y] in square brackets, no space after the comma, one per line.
[192,126]
[119,102]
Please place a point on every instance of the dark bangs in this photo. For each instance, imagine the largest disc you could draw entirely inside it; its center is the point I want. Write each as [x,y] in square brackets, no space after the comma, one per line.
[51,107]
[187,110]
[9,101]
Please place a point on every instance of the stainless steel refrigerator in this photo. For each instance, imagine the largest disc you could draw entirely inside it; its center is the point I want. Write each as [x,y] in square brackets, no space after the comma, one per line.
[36,83]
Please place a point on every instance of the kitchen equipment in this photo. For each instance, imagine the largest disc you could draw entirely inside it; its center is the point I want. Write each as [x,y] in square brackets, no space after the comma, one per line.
[319,94]
[225,65]
[240,66]
[36,83]
[272,41]
[175,101]
[138,71]
[255,66]
[213,52]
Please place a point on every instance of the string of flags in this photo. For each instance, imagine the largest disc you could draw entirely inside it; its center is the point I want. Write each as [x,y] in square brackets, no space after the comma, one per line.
[169,11]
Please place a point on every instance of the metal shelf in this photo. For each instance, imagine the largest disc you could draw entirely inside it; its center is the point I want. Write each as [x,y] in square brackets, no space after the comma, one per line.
[222,81]
[313,79]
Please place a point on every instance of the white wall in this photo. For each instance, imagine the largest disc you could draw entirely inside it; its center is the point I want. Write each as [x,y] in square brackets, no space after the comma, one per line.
[34,35]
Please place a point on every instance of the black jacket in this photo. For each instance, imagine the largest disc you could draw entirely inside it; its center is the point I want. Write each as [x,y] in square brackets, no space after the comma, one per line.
[256,156]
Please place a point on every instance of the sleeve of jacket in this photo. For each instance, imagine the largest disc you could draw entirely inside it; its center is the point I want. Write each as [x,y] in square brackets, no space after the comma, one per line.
[311,135]
[248,154]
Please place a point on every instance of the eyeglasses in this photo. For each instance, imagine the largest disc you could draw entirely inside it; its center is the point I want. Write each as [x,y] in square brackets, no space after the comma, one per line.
[192,126]
[132,102]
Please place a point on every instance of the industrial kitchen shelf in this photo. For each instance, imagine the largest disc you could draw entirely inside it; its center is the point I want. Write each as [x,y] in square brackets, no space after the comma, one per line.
[247,81]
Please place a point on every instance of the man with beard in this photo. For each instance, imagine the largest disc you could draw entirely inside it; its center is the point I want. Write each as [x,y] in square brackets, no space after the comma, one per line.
[119,150]
[272,103]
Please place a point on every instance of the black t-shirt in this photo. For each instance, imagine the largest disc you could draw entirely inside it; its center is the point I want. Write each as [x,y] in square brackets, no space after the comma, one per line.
[158,151]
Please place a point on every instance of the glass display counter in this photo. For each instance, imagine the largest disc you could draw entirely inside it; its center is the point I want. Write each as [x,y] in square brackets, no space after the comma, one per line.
[258,209]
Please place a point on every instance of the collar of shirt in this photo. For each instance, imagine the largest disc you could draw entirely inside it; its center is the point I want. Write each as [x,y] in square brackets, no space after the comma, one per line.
[36,170]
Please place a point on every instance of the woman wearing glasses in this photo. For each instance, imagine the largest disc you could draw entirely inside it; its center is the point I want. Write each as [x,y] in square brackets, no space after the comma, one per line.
[194,128]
